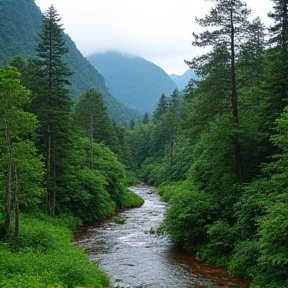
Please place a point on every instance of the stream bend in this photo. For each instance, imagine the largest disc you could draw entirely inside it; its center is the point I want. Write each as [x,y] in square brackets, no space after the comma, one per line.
[134,254]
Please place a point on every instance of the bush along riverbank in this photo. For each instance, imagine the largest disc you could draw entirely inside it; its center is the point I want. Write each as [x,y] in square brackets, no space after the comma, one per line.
[46,256]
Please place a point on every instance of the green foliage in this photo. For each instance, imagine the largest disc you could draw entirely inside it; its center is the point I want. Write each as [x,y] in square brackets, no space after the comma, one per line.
[21,169]
[167,191]
[112,170]
[139,139]
[161,107]
[152,172]
[243,262]
[52,104]
[47,258]
[130,200]
[212,168]
[90,114]
[273,233]
[188,215]
[221,237]
[252,204]
[92,192]
[20,20]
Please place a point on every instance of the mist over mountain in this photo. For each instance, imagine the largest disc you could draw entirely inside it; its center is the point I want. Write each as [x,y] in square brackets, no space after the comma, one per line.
[182,80]
[20,25]
[132,80]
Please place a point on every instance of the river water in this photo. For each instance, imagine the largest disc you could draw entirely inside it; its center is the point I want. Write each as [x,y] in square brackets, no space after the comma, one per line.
[134,254]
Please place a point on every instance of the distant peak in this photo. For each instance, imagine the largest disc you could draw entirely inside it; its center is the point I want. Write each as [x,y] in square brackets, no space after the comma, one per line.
[115,52]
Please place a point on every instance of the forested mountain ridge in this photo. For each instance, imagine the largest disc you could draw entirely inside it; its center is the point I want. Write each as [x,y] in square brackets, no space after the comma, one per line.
[20,23]
[133,80]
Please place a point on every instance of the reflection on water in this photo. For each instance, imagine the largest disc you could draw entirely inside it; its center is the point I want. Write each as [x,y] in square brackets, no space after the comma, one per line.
[132,253]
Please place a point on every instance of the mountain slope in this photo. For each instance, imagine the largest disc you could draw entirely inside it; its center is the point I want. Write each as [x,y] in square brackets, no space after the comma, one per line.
[182,80]
[20,24]
[132,80]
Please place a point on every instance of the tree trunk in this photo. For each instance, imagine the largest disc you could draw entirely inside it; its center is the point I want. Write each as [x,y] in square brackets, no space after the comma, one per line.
[16,209]
[9,179]
[91,140]
[49,180]
[234,100]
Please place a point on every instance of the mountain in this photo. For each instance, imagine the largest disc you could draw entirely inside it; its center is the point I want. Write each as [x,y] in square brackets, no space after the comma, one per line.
[134,81]
[182,80]
[20,25]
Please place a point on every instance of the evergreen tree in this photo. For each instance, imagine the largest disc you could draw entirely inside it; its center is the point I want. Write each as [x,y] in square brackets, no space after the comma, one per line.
[132,124]
[276,73]
[174,98]
[250,78]
[91,113]
[161,107]
[145,118]
[229,22]
[212,91]
[52,103]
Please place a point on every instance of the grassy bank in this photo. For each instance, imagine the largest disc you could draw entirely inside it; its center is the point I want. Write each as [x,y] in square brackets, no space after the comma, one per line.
[47,257]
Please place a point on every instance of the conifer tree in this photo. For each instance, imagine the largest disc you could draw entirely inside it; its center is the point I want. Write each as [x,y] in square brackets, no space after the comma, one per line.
[161,107]
[277,61]
[52,103]
[145,119]
[91,113]
[228,20]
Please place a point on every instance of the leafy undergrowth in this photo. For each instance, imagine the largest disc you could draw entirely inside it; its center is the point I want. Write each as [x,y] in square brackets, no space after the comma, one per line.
[130,200]
[47,257]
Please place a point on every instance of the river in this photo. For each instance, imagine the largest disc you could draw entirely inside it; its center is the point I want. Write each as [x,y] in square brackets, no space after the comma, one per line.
[133,254]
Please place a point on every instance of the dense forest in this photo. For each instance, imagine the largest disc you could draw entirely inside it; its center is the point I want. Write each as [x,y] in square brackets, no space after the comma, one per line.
[217,151]
[61,164]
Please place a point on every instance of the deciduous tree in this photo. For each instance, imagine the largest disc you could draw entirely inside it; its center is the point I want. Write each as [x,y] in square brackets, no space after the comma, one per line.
[20,167]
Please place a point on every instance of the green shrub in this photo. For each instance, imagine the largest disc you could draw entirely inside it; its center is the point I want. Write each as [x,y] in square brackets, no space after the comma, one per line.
[130,199]
[273,249]
[243,262]
[47,258]
[187,217]
[221,239]
[168,191]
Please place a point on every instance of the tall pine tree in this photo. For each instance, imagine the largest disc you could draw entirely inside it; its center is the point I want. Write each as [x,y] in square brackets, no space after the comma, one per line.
[229,21]
[52,103]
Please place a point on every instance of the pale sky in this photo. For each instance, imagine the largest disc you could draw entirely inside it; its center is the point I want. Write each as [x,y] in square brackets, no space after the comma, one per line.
[157,30]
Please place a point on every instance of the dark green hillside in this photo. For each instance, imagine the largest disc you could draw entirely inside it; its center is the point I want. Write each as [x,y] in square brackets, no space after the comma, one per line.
[19,26]
[132,80]
[20,22]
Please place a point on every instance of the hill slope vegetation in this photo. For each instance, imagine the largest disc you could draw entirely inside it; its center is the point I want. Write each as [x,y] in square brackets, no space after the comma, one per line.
[132,80]
[19,32]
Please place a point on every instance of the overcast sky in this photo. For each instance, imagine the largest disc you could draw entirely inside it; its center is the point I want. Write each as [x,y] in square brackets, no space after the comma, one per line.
[157,30]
